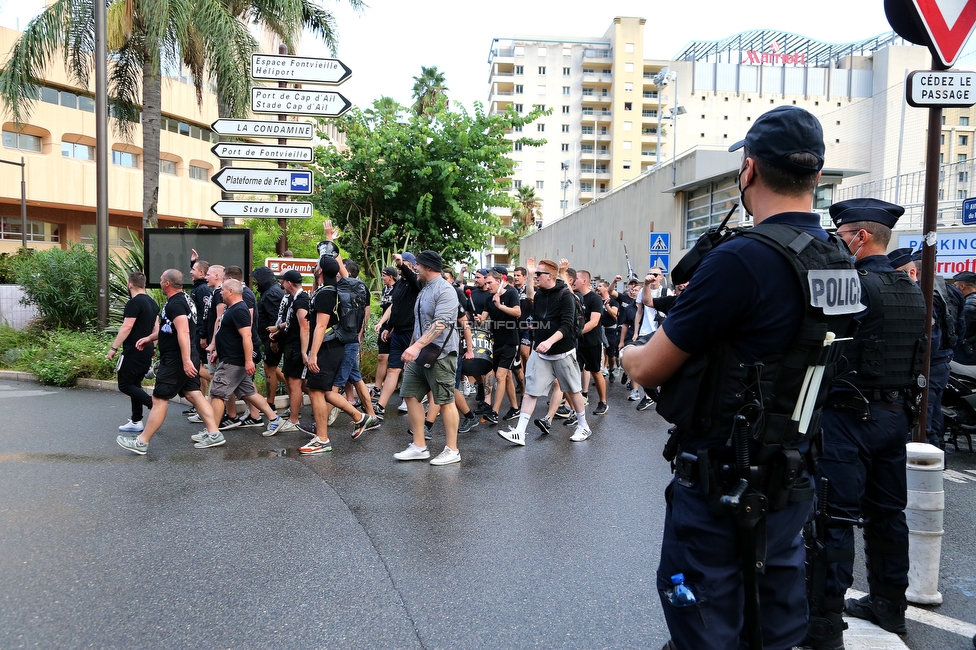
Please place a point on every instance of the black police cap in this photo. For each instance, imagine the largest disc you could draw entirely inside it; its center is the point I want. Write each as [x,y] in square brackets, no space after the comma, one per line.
[900,257]
[782,132]
[874,210]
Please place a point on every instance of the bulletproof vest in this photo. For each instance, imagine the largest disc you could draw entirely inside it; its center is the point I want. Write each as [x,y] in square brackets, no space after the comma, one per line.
[887,351]
[713,386]
[950,314]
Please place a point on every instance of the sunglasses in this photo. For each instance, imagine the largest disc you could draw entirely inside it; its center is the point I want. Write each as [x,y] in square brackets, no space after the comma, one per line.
[654,275]
[538,273]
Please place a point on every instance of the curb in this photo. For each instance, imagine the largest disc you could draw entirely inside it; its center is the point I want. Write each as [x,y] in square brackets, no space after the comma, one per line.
[281,401]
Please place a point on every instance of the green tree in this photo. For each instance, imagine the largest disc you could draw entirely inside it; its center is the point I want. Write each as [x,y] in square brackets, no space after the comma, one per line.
[430,181]
[525,214]
[429,90]
[145,37]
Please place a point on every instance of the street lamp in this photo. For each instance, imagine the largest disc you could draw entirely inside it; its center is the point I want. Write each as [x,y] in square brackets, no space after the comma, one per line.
[566,183]
[660,80]
[678,110]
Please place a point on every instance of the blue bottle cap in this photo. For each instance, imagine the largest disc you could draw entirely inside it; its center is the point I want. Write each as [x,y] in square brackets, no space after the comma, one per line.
[677,578]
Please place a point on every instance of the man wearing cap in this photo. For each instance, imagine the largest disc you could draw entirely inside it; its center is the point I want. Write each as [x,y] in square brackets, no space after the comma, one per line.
[267,314]
[389,278]
[739,358]
[945,302]
[400,324]
[292,335]
[434,326]
[965,350]
[648,319]
[480,298]
[865,427]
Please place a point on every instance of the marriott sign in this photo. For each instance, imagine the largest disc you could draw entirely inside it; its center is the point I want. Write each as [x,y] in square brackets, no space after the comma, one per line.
[774,56]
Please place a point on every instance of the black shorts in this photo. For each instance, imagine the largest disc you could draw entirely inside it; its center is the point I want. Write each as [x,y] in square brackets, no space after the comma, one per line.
[504,356]
[591,357]
[382,347]
[292,364]
[329,360]
[171,380]
[613,341]
[271,358]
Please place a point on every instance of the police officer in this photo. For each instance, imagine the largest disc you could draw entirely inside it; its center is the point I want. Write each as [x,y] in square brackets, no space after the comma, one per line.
[865,428]
[709,356]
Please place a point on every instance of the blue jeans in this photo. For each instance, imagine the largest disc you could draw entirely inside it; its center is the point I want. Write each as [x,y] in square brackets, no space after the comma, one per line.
[349,369]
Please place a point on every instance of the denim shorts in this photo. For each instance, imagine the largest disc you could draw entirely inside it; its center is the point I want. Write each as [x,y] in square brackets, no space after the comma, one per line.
[349,368]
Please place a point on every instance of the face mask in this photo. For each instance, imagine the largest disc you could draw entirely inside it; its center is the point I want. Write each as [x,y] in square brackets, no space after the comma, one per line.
[854,254]
[743,210]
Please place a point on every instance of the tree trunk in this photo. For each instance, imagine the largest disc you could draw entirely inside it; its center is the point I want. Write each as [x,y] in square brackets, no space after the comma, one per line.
[152,91]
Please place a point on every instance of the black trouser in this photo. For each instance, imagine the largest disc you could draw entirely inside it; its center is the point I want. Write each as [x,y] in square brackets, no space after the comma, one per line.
[135,365]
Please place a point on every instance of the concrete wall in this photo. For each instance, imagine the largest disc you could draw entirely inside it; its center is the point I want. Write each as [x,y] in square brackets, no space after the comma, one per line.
[11,311]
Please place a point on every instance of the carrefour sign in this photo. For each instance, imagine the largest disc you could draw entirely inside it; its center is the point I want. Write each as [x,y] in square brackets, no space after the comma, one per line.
[955,250]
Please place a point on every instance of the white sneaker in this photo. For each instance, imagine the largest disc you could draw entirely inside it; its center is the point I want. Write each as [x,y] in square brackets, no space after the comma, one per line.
[333,414]
[413,452]
[195,419]
[133,427]
[513,435]
[634,395]
[197,437]
[447,457]
[582,433]
[403,406]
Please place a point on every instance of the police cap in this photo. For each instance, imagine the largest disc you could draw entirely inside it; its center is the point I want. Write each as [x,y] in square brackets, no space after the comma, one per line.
[900,257]
[967,277]
[875,210]
[782,132]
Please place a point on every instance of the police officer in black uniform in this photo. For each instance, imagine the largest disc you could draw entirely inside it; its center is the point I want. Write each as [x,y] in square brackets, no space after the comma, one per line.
[865,428]
[738,360]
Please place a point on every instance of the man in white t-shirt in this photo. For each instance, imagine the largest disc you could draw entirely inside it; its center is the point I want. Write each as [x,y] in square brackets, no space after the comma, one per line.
[648,319]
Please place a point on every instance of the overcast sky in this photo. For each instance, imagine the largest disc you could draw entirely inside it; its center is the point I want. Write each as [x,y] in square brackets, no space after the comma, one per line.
[387,43]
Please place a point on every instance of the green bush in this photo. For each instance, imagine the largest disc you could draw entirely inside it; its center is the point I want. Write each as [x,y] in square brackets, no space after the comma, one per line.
[60,357]
[62,284]
[14,347]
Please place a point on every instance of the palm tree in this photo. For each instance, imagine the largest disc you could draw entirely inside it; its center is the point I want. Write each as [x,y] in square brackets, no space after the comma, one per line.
[525,214]
[428,90]
[144,36]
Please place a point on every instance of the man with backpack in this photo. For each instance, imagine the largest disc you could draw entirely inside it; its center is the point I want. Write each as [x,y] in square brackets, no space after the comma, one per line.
[353,313]
[554,356]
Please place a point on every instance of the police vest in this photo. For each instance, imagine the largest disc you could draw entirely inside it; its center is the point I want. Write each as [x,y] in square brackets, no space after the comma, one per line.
[887,352]
[713,386]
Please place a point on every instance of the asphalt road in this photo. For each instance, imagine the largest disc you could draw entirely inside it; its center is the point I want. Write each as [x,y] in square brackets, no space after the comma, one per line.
[251,546]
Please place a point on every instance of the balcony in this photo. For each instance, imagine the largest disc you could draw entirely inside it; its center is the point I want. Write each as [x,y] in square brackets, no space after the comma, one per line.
[597,78]
[503,53]
[597,98]
[597,55]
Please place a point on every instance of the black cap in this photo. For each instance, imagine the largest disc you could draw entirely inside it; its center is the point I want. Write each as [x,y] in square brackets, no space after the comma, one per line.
[900,257]
[874,210]
[966,276]
[329,266]
[390,271]
[784,131]
[500,269]
[291,275]
[917,255]
[431,259]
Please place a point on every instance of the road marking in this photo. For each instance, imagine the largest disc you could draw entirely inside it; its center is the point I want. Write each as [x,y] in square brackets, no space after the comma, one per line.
[9,392]
[931,619]
[958,477]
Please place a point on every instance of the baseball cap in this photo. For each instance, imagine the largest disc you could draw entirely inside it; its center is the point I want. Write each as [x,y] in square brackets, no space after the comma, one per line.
[484,272]
[409,258]
[874,210]
[784,131]
[390,271]
[329,266]
[291,275]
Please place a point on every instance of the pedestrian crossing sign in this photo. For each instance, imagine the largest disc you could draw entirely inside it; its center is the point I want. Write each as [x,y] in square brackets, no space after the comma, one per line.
[661,261]
[660,242]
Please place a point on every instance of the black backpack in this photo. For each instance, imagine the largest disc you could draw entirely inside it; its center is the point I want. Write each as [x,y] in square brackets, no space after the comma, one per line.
[579,313]
[352,303]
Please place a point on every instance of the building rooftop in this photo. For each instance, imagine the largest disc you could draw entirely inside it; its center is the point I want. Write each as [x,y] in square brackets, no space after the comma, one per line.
[778,44]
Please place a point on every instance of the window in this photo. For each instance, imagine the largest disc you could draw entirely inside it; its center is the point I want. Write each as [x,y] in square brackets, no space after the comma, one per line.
[628,106]
[943,120]
[518,108]
[518,129]
[964,120]
[520,69]
[961,157]
[586,187]
[540,90]
[603,130]
[540,165]
[117,237]
[565,128]
[540,185]
[69,99]
[652,94]
[587,130]
[629,48]
[628,67]
[567,51]
[626,165]
[10,228]
[942,139]
[79,151]
[538,107]
[125,159]
[86,104]
[963,177]
[629,86]
[540,127]
[607,71]
[519,50]
[960,194]
[518,146]
[565,110]
[628,126]
[564,147]
[566,72]
[707,206]
[167,167]
[963,140]
[542,69]
[516,184]
[564,205]
[587,92]
[628,145]
[586,148]
[542,51]
[587,70]
[198,173]
[22,141]
[519,89]
[565,90]
[49,95]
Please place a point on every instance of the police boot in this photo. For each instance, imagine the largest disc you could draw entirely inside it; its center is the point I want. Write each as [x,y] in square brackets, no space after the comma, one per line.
[887,614]
[669,645]
[825,630]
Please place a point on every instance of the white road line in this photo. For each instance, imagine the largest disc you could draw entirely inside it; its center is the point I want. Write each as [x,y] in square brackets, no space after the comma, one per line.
[957,477]
[25,393]
[931,619]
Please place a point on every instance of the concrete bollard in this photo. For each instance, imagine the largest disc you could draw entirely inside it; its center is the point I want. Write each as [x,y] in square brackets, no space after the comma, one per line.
[926,503]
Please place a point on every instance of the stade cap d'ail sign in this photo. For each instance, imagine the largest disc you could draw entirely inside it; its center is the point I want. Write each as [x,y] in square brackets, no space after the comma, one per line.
[281,101]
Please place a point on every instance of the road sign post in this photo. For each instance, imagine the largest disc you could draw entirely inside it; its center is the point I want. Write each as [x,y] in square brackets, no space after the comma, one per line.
[264,129]
[290,101]
[263,181]
[299,69]
[272,152]
[263,209]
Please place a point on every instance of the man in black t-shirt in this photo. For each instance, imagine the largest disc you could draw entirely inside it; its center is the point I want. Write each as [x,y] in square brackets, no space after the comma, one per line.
[590,344]
[611,309]
[140,319]
[235,349]
[503,314]
[291,334]
[178,367]
[267,315]
[480,298]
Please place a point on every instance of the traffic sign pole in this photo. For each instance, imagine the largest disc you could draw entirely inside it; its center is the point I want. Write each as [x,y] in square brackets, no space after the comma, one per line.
[282,245]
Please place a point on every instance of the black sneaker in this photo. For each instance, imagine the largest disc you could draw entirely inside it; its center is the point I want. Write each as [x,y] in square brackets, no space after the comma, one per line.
[610,377]
[190,411]
[645,404]
[570,421]
[248,421]
[228,423]
[623,378]
[886,614]
[544,424]
[482,408]
[563,412]
[601,408]
[490,417]
[428,427]
[379,411]
[513,414]
[467,424]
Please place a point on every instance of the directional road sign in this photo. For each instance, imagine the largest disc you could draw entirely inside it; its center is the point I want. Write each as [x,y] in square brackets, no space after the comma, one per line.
[944,88]
[969,212]
[282,67]
[272,152]
[949,24]
[286,101]
[659,242]
[270,209]
[264,129]
[263,181]
[662,261]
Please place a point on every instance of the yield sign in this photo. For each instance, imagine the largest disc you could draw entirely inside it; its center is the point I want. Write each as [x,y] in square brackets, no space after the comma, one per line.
[949,24]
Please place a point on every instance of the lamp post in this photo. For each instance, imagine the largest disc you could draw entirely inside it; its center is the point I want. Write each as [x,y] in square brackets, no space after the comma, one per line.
[565,184]
[660,80]
[678,110]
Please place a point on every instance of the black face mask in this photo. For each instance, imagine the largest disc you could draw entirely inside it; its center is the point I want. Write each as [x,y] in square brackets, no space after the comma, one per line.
[742,192]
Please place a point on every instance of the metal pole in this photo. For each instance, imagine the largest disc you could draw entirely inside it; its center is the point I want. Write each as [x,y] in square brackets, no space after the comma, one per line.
[23,201]
[929,226]
[283,223]
[101,161]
